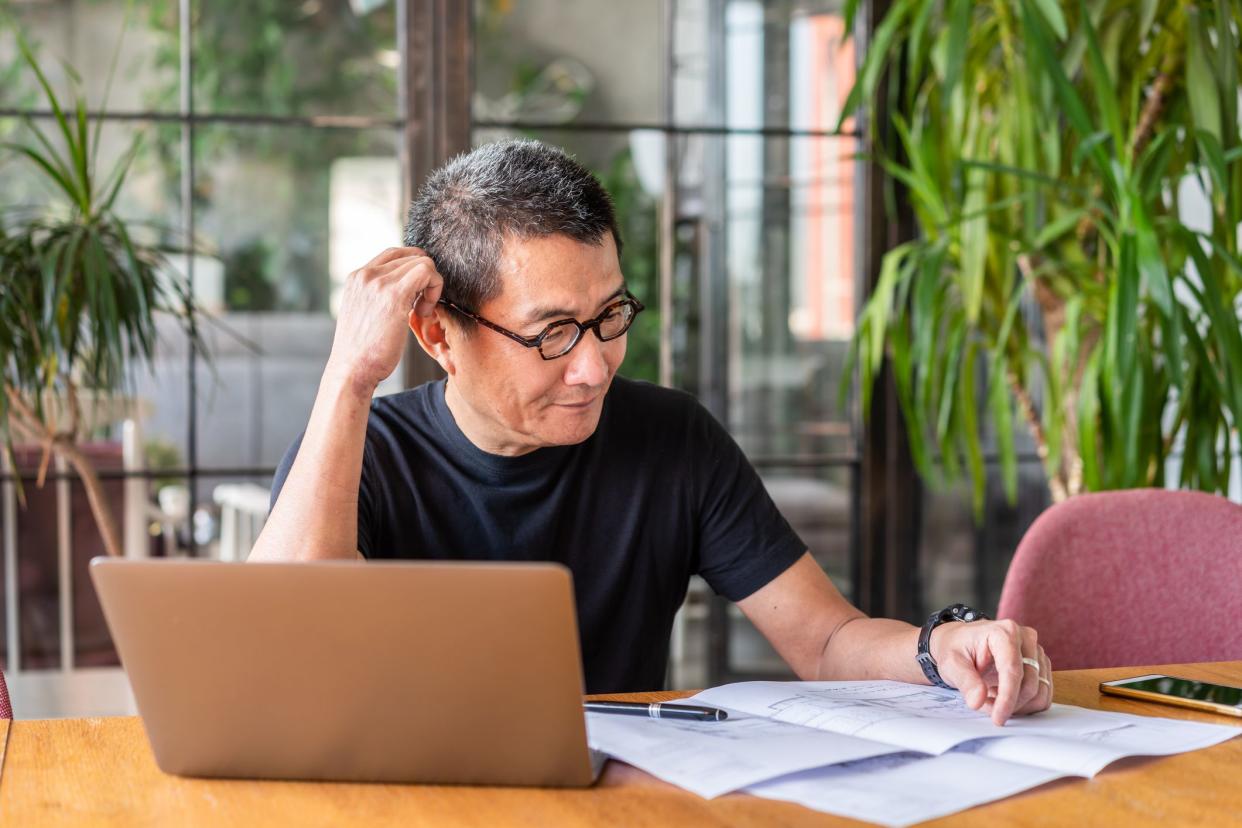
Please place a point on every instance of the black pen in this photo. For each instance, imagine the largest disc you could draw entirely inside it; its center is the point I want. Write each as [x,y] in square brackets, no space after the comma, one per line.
[658,710]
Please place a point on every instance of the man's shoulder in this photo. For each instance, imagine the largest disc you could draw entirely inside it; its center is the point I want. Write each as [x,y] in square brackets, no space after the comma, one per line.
[404,415]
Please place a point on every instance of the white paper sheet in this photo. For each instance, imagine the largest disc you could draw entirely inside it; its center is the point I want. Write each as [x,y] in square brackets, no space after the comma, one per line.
[905,788]
[712,758]
[1088,754]
[882,751]
[909,716]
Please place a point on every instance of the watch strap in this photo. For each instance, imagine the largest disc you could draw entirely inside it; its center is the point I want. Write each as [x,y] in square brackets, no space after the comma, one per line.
[953,612]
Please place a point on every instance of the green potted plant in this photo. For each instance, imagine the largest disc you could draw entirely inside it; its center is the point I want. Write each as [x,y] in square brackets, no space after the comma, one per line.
[1075,172]
[79,296]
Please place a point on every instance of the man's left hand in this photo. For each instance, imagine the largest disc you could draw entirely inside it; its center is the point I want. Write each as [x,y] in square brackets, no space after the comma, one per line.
[984,660]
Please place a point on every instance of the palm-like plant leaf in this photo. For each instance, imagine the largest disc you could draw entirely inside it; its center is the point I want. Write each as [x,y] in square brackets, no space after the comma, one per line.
[1046,148]
[79,296]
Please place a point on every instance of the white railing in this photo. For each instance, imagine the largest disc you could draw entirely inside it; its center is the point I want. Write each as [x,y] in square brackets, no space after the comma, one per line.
[243,510]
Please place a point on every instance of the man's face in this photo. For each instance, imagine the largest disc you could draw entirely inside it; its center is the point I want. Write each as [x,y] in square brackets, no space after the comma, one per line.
[516,400]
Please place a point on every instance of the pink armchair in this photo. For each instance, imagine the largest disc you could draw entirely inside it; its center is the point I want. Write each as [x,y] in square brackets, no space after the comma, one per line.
[1126,578]
[6,709]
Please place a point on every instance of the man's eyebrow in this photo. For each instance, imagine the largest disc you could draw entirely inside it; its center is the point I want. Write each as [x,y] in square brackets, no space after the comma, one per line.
[545,314]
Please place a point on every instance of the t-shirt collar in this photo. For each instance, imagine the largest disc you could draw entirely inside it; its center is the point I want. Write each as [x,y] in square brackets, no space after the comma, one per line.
[533,461]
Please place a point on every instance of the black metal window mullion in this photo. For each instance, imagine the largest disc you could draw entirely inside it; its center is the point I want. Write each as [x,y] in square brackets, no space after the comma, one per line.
[353,122]
[186,109]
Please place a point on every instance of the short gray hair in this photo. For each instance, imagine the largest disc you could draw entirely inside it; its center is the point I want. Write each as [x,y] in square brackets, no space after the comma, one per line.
[517,187]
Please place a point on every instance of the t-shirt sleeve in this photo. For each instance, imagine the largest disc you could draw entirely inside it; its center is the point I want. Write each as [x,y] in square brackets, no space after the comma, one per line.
[367,503]
[745,541]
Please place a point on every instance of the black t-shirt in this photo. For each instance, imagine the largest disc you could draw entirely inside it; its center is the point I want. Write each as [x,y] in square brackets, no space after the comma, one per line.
[658,493]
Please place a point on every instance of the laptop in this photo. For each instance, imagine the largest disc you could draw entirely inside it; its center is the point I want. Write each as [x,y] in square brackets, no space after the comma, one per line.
[434,672]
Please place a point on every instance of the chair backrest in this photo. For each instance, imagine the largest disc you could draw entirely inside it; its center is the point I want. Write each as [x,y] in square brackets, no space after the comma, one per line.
[6,709]
[1128,578]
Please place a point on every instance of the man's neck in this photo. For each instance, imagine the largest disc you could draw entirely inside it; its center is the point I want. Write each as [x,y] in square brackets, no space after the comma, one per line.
[476,427]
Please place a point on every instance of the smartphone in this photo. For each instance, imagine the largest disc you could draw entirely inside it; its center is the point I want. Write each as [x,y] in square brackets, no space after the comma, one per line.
[1200,695]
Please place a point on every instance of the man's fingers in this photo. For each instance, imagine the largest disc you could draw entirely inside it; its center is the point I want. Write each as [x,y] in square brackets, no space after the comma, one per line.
[986,663]
[962,674]
[1004,642]
[396,269]
[1044,700]
[1043,694]
[415,280]
[391,255]
[376,310]
[1031,672]
[393,261]
[425,305]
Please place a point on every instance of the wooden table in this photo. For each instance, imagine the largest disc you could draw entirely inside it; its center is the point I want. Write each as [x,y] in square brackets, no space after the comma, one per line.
[101,772]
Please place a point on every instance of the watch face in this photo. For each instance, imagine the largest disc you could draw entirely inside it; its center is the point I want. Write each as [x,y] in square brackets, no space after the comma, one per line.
[961,612]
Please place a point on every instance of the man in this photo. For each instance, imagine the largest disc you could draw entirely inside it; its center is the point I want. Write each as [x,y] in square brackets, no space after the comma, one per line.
[533,449]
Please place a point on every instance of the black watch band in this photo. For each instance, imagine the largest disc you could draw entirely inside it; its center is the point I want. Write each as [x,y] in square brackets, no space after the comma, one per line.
[954,612]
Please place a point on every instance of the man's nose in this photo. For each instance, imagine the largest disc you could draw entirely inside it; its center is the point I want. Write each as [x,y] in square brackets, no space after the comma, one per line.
[587,365]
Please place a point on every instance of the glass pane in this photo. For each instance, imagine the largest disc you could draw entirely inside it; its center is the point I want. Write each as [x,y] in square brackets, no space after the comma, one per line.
[961,560]
[741,64]
[282,215]
[630,165]
[86,38]
[291,58]
[255,397]
[149,199]
[819,504]
[163,392]
[750,64]
[789,220]
[551,62]
[766,284]
[27,190]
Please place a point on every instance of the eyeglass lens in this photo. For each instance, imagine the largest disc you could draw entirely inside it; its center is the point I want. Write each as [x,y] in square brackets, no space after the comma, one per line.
[560,339]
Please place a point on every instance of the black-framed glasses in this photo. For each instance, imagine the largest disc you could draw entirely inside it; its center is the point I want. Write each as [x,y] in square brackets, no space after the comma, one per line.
[560,337]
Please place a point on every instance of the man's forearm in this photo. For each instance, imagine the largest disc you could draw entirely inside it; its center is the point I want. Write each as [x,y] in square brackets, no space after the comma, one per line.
[871,648]
[997,665]
[316,516]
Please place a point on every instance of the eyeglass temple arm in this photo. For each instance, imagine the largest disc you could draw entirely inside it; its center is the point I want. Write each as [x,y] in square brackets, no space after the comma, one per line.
[531,342]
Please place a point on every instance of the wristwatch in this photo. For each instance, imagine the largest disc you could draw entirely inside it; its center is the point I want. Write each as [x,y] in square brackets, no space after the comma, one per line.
[954,612]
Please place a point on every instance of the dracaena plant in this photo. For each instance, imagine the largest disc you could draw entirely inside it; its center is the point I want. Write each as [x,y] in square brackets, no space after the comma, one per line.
[1075,172]
[79,295]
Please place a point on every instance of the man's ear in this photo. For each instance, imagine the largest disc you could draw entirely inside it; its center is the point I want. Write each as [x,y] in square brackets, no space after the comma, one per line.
[433,337]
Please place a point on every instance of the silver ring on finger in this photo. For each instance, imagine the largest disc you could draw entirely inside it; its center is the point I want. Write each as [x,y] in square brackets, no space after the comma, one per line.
[1031,662]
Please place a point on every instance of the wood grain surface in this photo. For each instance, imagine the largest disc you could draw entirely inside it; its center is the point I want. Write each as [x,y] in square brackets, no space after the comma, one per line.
[4,743]
[101,772]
